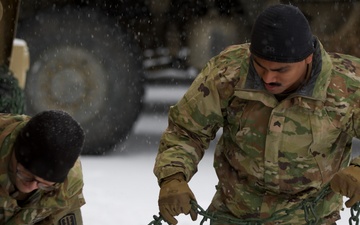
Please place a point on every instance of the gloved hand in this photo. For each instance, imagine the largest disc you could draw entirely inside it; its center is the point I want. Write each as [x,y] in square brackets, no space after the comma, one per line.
[174,198]
[347,182]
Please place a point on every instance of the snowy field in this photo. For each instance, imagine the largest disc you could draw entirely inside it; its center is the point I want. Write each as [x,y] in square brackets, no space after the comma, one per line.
[120,188]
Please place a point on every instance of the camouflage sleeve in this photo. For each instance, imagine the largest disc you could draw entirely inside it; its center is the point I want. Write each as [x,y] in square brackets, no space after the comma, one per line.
[74,198]
[356,123]
[6,206]
[69,215]
[73,218]
[352,64]
[193,122]
[72,215]
[196,118]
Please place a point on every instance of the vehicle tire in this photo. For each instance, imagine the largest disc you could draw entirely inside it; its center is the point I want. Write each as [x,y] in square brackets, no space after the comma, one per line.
[83,63]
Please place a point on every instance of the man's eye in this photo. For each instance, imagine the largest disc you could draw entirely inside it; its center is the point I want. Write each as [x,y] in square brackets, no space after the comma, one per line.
[283,70]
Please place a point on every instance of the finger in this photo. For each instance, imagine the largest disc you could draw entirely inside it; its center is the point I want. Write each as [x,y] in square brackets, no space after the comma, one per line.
[192,197]
[349,203]
[167,216]
[177,210]
[193,215]
[186,208]
[169,209]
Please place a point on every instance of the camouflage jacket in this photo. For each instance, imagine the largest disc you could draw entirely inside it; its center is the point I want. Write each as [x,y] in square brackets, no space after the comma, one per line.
[271,154]
[58,207]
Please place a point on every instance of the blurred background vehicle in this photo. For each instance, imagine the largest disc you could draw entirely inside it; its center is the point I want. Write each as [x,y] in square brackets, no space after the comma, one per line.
[14,60]
[93,58]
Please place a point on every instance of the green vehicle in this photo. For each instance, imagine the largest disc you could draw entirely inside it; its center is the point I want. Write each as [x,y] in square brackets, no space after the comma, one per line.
[94,58]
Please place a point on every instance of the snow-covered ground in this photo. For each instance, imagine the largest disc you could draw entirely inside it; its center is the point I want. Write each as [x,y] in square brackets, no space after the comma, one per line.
[120,188]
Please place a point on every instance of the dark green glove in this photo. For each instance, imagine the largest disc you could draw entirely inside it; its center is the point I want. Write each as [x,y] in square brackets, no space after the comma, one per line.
[174,198]
[347,183]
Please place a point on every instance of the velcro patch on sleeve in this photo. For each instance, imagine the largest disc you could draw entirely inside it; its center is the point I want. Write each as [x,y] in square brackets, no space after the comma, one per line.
[69,219]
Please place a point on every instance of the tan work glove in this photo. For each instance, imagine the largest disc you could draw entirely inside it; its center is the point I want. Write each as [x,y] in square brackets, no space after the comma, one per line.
[174,198]
[347,182]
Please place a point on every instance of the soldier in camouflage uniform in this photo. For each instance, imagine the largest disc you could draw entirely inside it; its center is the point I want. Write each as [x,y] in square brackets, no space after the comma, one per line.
[288,110]
[40,172]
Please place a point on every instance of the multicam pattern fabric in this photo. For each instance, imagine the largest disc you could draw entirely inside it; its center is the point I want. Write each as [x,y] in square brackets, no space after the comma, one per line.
[271,154]
[41,207]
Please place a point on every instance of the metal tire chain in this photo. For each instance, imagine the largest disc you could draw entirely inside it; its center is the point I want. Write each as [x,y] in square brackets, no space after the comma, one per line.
[306,205]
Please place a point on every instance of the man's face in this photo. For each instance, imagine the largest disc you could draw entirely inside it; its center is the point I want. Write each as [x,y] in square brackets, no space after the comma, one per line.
[26,182]
[281,77]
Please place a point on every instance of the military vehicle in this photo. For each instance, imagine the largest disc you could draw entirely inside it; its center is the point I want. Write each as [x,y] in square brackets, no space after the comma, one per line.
[93,58]
[14,60]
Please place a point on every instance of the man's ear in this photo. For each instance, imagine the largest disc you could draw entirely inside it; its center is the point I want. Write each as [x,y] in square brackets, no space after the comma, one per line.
[309,59]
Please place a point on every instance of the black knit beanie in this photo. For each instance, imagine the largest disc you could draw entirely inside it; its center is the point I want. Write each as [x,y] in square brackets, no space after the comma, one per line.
[281,33]
[49,145]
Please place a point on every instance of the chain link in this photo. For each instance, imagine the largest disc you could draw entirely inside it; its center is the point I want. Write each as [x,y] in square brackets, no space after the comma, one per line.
[157,220]
[355,213]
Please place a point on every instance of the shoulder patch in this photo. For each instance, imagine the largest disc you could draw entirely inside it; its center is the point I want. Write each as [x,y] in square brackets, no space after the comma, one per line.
[69,219]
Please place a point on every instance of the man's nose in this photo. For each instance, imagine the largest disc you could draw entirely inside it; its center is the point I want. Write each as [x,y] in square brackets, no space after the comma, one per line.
[33,185]
[269,77]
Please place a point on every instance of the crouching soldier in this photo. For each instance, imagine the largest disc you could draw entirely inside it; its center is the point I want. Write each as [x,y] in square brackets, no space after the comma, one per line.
[40,172]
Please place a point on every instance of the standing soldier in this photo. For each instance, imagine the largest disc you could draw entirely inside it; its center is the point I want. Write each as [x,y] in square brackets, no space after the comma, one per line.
[289,111]
[40,172]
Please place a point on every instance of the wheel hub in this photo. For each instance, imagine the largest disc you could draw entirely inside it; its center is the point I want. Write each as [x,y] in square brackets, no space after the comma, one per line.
[71,79]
